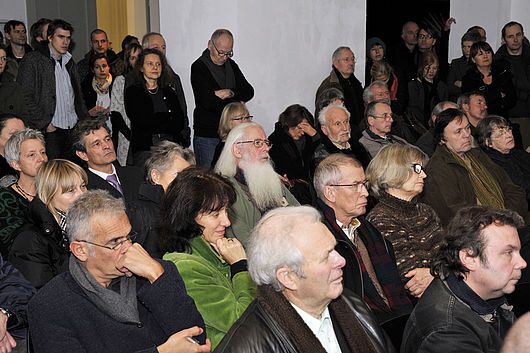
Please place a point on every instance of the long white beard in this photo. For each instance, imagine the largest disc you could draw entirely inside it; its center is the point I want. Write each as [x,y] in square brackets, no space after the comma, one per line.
[263,183]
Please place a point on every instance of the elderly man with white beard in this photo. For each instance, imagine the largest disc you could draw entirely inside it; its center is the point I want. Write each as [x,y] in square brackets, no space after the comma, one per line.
[245,161]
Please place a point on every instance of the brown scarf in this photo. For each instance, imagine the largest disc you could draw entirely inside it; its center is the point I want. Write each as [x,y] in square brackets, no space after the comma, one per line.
[301,335]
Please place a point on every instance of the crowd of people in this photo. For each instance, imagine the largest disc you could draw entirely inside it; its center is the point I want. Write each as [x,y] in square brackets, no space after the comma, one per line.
[394,218]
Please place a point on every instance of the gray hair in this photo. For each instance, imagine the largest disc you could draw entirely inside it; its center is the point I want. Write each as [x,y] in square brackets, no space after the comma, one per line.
[324,111]
[162,156]
[465,98]
[146,37]
[219,32]
[81,211]
[12,147]
[336,53]
[370,109]
[227,164]
[440,107]
[328,171]
[368,94]
[273,245]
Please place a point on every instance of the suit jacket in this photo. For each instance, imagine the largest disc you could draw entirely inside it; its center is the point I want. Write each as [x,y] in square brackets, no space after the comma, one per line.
[130,179]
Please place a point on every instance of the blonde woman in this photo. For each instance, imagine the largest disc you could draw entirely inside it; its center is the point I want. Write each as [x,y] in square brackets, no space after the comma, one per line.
[41,249]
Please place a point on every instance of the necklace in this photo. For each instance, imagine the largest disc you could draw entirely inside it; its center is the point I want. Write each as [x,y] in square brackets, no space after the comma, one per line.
[21,191]
[153,91]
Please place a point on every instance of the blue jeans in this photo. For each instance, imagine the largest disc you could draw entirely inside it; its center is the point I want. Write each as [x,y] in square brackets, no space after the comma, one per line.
[204,148]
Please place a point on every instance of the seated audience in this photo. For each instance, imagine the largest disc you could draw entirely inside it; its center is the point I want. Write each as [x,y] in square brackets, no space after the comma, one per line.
[461,65]
[427,142]
[462,176]
[40,249]
[121,124]
[233,114]
[93,144]
[496,139]
[166,160]
[301,305]
[426,90]
[492,78]
[464,308]
[293,142]
[114,296]
[328,96]
[11,98]
[245,162]
[15,293]
[396,177]
[378,118]
[337,136]
[375,51]
[473,105]
[396,84]
[191,232]
[9,124]
[370,269]
[153,106]
[25,152]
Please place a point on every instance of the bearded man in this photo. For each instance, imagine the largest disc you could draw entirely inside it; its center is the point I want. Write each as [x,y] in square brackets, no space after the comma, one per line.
[245,161]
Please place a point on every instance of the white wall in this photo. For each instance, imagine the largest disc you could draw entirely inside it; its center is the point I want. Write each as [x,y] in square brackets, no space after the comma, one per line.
[282,47]
[13,10]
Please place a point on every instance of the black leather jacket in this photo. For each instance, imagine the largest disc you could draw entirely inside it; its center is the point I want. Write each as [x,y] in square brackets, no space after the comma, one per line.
[257,331]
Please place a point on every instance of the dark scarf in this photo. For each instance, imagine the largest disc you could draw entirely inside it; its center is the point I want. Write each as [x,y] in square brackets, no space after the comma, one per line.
[223,75]
[430,98]
[384,266]
[350,88]
[122,307]
[301,335]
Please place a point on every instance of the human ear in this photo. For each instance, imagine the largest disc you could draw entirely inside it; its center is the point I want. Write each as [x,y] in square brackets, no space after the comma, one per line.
[287,278]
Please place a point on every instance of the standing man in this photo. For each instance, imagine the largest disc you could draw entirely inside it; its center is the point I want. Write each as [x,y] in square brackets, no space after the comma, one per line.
[52,91]
[15,33]
[405,54]
[39,31]
[342,77]
[216,81]
[517,53]
[464,308]
[99,44]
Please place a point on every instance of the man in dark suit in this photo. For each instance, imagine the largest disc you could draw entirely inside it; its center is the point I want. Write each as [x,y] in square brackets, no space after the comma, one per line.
[93,144]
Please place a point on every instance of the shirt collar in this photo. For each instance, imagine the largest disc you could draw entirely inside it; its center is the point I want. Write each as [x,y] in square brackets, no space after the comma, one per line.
[105,175]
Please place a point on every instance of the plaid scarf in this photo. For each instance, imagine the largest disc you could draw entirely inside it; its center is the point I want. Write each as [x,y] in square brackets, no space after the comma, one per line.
[383,263]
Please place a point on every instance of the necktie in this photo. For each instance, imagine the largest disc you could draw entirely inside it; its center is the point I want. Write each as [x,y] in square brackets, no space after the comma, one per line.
[114,181]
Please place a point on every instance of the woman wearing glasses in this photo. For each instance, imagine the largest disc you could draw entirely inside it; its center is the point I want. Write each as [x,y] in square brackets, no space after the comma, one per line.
[233,114]
[396,177]
[41,248]
[191,232]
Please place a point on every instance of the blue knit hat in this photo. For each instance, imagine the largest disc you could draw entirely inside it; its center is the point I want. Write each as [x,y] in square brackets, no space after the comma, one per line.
[374,41]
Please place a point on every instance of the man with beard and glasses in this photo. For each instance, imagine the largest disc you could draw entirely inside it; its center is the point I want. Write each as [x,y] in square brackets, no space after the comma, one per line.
[245,161]
[335,125]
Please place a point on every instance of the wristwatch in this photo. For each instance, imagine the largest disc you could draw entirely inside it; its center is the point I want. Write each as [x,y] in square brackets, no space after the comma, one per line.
[6,312]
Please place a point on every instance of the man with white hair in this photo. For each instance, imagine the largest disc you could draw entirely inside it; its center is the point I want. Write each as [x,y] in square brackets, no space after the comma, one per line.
[337,136]
[300,306]
[245,161]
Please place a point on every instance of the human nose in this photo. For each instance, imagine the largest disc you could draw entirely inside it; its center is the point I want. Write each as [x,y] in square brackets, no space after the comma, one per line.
[340,262]
[423,175]
[364,190]
[225,221]
[521,262]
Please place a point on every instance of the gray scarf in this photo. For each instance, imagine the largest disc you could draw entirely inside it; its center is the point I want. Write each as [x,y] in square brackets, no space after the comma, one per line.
[223,75]
[121,307]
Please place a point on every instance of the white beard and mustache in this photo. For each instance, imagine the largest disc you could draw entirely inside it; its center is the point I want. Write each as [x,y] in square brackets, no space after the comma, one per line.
[263,183]
[337,140]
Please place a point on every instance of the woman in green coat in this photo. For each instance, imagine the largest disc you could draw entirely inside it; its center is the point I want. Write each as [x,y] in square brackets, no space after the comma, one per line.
[191,232]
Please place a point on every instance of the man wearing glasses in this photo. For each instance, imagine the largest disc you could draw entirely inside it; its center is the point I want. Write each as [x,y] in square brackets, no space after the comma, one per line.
[370,269]
[379,123]
[245,162]
[115,297]
[216,81]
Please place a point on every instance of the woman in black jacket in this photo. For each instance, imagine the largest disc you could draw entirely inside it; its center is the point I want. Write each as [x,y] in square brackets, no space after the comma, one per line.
[152,106]
[41,250]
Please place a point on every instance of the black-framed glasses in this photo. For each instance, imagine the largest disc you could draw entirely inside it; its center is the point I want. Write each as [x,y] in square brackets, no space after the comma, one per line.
[222,53]
[417,168]
[357,186]
[242,118]
[258,143]
[114,244]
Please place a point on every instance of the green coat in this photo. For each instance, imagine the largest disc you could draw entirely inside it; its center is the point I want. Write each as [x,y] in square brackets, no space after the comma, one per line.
[244,215]
[220,299]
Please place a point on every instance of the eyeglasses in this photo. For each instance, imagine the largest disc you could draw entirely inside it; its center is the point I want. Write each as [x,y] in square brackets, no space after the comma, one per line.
[385,116]
[248,117]
[424,36]
[417,168]
[357,186]
[258,143]
[502,131]
[116,243]
[222,53]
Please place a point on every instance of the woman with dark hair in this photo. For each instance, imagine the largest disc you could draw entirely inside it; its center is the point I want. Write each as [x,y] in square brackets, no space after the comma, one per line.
[121,125]
[152,106]
[97,87]
[293,142]
[191,231]
[9,124]
[492,78]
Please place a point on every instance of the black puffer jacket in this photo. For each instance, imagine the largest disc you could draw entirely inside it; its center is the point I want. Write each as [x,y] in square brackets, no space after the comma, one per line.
[39,250]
